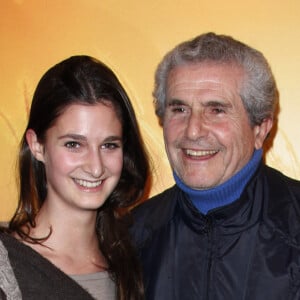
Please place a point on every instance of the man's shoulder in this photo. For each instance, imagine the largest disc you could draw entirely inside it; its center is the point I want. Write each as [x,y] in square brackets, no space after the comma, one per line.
[278,180]
[154,213]
[284,204]
[156,202]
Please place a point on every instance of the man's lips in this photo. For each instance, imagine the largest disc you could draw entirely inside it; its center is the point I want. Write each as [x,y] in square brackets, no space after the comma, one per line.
[199,153]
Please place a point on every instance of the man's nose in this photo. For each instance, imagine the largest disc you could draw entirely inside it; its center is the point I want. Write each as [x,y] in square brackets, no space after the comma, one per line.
[197,126]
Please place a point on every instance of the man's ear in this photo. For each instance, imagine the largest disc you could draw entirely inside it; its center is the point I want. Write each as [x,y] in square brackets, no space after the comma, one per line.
[261,132]
[36,148]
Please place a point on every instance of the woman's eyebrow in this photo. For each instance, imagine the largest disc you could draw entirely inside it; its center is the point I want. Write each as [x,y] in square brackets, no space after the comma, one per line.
[73,136]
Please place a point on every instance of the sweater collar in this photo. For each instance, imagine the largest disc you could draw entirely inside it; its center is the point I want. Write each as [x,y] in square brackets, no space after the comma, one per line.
[224,194]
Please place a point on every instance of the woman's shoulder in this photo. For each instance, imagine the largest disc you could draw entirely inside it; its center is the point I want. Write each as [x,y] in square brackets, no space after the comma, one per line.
[35,275]
[10,242]
[8,283]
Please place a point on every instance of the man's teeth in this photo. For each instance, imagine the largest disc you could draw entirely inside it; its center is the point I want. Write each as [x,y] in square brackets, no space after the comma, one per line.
[200,152]
[88,184]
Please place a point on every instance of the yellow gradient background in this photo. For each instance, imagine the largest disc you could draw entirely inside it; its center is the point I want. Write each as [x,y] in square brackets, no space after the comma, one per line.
[131,37]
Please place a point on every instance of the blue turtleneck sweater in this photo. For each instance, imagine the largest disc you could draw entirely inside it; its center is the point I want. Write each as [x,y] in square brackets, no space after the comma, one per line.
[225,193]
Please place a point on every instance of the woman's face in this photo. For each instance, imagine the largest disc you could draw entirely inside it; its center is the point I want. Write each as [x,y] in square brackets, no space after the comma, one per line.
[83,156]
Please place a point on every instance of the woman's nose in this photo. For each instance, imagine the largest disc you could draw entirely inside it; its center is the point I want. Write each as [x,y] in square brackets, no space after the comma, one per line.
[94,164]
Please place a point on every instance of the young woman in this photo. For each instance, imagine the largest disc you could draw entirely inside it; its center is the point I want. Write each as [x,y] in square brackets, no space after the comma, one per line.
[81,160]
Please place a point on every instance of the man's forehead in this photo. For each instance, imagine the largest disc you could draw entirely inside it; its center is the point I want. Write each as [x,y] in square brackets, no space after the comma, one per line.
[205,76]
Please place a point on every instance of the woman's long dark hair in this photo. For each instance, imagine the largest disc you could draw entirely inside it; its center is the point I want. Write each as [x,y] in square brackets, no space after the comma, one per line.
[85,80]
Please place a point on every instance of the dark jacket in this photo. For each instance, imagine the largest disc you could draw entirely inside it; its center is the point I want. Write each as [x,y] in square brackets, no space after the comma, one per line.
[248,250]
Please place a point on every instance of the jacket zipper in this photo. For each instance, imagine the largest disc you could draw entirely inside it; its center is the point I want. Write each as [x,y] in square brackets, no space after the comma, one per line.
[207,269]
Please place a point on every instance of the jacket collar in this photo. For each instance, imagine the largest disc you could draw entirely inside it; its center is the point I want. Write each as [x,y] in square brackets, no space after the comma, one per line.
[237,216]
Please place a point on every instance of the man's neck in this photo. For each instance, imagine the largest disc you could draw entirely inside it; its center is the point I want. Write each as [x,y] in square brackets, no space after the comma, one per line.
[224,194]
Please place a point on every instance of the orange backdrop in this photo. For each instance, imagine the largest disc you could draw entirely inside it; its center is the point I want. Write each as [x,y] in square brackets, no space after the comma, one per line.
[131,36]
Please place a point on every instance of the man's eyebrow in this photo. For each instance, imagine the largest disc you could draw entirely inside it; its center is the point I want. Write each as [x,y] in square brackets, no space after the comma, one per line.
[172,102]
[210,103]
[217,103]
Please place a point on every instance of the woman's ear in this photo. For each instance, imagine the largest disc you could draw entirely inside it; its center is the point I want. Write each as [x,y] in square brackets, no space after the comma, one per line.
[36,148]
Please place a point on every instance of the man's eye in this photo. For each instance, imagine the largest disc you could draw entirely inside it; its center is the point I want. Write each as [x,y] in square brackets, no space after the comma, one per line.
[218,110]
[72,145]
[177,109]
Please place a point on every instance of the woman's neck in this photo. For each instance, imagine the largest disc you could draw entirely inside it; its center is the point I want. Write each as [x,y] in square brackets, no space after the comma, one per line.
[63,235]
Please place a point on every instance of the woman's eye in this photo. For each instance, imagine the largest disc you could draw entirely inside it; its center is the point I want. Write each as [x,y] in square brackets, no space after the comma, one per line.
[110,146]
[72,145]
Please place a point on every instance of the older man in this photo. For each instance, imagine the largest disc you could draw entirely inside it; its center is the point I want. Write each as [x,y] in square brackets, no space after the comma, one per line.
[230,227]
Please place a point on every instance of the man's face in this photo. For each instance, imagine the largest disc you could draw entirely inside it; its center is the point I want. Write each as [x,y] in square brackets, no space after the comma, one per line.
[207,131]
